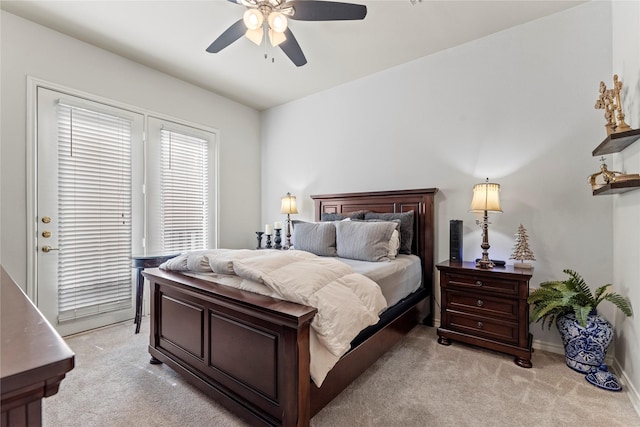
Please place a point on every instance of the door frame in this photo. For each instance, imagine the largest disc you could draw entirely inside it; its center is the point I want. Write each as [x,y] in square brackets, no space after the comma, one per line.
[32,167]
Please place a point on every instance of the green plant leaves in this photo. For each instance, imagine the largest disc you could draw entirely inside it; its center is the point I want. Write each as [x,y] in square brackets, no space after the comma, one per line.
[573,295]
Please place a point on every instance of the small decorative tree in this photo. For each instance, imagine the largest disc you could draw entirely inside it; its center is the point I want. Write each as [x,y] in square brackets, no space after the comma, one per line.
[521,250]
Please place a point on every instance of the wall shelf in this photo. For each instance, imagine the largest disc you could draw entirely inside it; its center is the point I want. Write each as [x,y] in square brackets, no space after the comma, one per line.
[618,187]
[616,142]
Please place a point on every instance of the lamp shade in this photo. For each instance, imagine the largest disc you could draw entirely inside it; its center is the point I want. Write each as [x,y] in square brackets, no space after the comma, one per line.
[486,197]
[288,205]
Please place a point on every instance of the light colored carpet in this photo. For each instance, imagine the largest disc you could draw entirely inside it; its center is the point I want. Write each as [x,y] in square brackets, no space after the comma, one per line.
[417,383]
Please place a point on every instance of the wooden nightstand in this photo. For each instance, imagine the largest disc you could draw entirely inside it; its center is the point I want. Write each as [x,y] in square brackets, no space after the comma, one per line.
[486,307]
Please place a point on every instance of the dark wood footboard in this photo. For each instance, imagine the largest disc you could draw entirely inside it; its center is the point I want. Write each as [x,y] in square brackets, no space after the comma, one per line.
[249,352]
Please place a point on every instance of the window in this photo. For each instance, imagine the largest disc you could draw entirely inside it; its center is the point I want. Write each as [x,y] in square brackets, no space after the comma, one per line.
[180,188]
[94,212]
[183,191]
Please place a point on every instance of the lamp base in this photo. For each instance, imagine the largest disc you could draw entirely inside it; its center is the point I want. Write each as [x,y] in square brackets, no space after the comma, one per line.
[485,263]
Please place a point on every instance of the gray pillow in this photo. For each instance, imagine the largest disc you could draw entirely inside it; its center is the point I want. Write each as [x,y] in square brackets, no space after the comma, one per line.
[316,237]
[406,227]
[339,217]
[366,241]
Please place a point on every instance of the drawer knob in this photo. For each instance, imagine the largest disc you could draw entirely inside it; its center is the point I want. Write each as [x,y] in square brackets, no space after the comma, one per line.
[479,303]
[480,325]
[479,283]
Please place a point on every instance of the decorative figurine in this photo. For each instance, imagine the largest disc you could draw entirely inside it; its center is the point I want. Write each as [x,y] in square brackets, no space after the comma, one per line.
[609,176]
[609,101]
[521,250]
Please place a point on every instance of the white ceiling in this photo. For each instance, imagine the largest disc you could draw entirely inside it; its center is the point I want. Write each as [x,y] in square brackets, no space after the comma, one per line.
[171,36]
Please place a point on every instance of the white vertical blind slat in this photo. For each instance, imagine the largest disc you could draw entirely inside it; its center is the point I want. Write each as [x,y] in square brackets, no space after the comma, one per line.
[94,212]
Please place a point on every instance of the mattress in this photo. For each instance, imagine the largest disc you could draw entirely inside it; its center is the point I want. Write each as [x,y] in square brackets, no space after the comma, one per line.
[397,278]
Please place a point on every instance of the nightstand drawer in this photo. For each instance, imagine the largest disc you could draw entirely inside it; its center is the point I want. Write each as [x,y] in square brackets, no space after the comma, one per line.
[494,329]
[484,284]
[482,304]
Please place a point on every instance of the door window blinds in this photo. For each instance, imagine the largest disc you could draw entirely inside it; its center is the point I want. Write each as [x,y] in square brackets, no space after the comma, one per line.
[184,191]
[94,212]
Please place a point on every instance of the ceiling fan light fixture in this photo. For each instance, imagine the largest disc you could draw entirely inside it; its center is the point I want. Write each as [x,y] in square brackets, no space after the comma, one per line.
[253,19]
[255,35]
[276,38]
[277,22]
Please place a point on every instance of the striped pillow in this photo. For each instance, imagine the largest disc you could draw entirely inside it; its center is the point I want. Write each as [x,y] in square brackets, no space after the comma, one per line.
[316,237]
[365,241]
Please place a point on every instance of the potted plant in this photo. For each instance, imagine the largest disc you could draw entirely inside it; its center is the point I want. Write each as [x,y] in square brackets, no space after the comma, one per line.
[586,336]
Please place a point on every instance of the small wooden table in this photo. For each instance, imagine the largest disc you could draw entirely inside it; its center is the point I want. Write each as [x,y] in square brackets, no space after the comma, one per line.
[140,262]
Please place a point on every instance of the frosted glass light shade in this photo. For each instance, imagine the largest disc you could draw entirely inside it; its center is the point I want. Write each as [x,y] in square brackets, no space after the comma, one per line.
[276,38]
[253,19]
[486,197]
[288,205]
[277,22]
[255,35]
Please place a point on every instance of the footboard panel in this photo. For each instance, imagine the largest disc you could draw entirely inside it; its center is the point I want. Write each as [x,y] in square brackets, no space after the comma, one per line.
[247,351]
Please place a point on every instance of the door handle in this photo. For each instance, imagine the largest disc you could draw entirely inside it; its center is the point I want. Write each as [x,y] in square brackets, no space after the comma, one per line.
[48,248]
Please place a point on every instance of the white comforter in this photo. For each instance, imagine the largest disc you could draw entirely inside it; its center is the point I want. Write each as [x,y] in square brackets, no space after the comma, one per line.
[347,302]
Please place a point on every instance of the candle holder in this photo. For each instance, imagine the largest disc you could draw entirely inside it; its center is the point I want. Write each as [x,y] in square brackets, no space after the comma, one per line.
[277,239]
[259,237]
[268,243]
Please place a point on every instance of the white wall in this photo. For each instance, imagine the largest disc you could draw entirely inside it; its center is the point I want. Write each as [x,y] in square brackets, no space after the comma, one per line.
[517,107]
[626,215]
[31,50]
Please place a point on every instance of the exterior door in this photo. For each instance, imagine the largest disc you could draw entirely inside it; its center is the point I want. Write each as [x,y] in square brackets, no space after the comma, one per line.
[89,210]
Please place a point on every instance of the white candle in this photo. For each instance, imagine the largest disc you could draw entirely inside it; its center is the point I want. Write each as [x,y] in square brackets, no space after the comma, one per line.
[268,230]
[277,224]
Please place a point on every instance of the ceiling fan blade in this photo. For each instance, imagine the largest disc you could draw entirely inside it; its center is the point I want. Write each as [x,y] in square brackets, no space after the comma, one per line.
[247,3]
[316,10]
[231,34]
[292,49]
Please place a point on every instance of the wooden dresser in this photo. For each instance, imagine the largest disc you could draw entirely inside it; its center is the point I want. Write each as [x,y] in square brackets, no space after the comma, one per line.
[34,358]
[486,307]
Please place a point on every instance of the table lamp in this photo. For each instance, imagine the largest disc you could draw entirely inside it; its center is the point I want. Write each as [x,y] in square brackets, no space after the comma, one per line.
[288,207]
[486,198]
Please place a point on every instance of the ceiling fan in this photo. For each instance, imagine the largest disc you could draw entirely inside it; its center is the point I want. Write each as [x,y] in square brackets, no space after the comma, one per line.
[271,17]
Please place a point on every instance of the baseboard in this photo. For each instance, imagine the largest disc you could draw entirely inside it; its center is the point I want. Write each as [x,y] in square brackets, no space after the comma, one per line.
[547,346]
[632,391]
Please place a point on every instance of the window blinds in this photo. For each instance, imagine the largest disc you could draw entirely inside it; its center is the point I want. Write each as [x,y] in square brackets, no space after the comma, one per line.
[94,212]
[183,191]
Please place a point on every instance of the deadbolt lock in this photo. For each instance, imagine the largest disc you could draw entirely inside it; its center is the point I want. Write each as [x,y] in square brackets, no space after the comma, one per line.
[46,234]
[46,219]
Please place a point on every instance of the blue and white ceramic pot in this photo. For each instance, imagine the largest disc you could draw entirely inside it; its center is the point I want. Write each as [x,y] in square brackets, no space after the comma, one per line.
[585,348]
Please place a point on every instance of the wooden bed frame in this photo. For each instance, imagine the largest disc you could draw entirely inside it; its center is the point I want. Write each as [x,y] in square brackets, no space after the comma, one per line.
[251,352]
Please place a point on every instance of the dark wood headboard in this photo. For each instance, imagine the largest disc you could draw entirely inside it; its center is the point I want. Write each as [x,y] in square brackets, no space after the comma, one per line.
[420,201]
